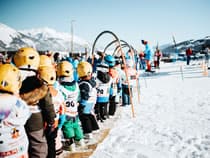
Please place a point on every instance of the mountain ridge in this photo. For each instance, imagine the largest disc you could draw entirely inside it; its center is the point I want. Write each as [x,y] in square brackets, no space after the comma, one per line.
[46,38]
[42,39]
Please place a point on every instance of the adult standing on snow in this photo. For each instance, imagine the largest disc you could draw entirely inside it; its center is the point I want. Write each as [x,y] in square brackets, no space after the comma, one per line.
[157,57]
[142,60]
[37,95]
[188,54]
[148,55]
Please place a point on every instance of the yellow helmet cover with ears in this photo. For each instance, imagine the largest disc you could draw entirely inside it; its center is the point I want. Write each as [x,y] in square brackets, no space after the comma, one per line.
[84,69]
[65,69]
[47,74]
[45,61]
[10,78]
[28,58]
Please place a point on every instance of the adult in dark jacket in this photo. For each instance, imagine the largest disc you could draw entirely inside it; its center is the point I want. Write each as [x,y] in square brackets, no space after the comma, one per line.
[37,95]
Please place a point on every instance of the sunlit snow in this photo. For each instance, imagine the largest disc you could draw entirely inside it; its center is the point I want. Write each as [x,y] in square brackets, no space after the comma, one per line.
[172,119]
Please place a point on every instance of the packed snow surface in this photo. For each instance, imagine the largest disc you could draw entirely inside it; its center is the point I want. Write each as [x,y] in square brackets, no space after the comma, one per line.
[172,119]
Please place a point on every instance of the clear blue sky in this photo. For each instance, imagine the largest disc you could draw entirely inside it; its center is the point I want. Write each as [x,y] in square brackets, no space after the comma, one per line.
[130,20]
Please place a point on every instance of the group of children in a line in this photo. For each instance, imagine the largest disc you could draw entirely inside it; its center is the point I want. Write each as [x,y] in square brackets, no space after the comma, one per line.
[44,109]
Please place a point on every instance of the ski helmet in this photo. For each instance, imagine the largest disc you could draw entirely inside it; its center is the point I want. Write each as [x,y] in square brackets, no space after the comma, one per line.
[84,69]
[10,78]
[28,58]
[110,60]
[65,69]
[48,74]
[45,61]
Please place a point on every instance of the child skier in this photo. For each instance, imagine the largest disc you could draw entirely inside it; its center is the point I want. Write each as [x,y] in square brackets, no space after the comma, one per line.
[47,73]
[88,93]
[110,60]
[103,81]
[118,67]
[132,74]
[14,113]
[71,127]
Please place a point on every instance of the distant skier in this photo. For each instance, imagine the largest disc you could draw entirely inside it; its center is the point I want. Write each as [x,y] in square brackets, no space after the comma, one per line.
[207,53]
[148,55]
[142,60]
[188,54]
[157,57]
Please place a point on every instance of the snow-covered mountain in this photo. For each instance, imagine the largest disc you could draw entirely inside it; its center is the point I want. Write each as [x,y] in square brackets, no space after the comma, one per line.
[49,39]
[11,39]
[42,39]
[198,45]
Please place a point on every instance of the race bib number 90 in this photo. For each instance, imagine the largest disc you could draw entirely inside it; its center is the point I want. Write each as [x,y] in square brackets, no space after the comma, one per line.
[70,104]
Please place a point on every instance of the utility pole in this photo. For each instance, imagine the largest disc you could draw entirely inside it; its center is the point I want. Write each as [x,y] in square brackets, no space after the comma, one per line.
[72,38]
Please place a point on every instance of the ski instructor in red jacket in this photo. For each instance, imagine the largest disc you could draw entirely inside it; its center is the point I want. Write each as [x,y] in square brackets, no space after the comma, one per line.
[188,54]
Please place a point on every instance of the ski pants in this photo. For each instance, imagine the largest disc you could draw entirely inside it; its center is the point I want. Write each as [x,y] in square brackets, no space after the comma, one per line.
[125,95]
[37,144]
[72,129]
[51,138]
[89,123]
[112,105]
[101,110]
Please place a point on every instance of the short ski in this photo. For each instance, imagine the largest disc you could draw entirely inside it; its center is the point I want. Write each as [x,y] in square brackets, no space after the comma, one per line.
[89,148]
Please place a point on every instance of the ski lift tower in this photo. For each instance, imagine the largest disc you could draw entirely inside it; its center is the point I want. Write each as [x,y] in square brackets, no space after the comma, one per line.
[72,36]
[175,48]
